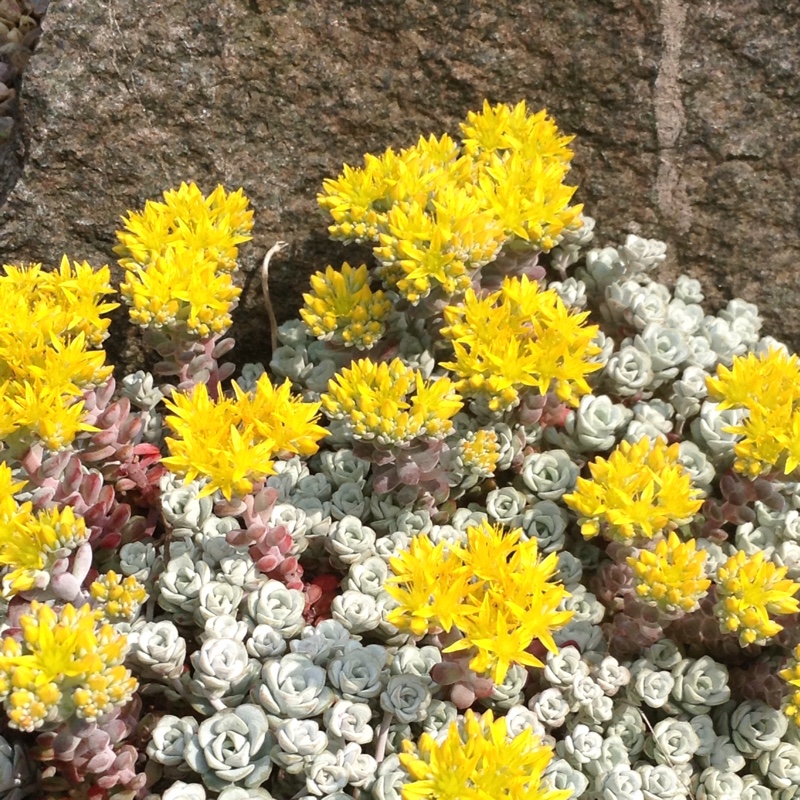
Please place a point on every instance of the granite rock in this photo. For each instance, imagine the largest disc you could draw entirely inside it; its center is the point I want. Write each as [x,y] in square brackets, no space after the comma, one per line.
[686,114]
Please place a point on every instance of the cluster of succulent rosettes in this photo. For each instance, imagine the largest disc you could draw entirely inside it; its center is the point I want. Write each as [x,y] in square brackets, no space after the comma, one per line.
[342,308]
[63,663]
[439,212]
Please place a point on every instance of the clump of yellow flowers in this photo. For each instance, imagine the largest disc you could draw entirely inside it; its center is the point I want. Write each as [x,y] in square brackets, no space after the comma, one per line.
[518,338]
[791,675]
[65,664]
[496,591]
[231,442]
[749,589]
[50,326]
[640,491]
[439,212]
[391,403]
[32,541]
[767,386]
[670,577]
[482,760]
[341,308]
[179,257]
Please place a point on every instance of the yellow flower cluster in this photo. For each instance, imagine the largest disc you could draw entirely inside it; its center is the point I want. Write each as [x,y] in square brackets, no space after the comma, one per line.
[231,442]
[117,599]
[671,577]
[343,309]
[178,257]
[749,589]
[517,338]
[791,675]
[496,592]
[65,664]
[480,452]
[391,403]
[439,212]
[642,490]
[482,761]
[768,388]
[49,323]
[30,543]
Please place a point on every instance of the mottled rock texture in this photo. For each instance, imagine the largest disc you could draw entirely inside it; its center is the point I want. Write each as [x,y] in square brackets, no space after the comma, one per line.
[687,118]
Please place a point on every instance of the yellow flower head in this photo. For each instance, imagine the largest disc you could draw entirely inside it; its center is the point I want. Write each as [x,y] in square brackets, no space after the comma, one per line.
[429,584]
[791,675]
[480,452]
[768,388]
[30,544]
[343,309]
[503,130]
[642,490]
[213,227]
[178,256]
[496,591]
[64,664]
[49,321]
[439,244]
[181,291]
[749,589]
[519,338]
[482,761]
[391,403]
[232,442]
[671,577]
[118,599]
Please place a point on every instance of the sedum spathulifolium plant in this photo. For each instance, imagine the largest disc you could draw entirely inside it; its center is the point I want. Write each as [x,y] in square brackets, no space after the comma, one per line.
[504,516]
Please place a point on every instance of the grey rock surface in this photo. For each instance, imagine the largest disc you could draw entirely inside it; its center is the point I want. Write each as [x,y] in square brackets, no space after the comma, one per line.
[687,118]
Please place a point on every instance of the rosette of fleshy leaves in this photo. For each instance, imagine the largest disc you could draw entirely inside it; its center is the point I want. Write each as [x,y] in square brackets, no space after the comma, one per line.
[51,326]
[439,212]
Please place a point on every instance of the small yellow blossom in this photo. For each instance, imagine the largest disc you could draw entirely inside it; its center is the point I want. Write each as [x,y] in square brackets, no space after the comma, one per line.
[429,584]
[791,675]
[767,387]
[118,599]
[641,490]
[30,544]
[518,338]
[343,309]
[749,589]
[503,129]
[672,576]
[232,442]
[480,452]
[496,591]
[482,761]
[64,664]
[391,403]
